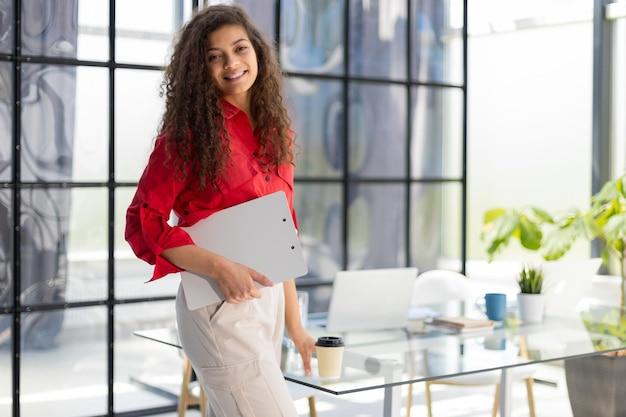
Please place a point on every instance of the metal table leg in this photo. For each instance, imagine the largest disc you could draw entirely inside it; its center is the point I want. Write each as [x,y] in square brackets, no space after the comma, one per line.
[505,392]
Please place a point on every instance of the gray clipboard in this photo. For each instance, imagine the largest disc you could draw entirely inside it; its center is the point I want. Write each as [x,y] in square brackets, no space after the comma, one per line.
[259,233]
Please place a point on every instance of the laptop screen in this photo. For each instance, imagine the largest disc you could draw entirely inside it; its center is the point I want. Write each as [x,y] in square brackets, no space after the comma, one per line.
[371,299]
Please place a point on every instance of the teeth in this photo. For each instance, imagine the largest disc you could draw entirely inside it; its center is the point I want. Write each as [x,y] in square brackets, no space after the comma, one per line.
[239,74]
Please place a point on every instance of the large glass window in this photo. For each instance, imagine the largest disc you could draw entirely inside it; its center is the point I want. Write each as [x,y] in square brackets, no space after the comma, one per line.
[76,129]
[389,160]
[373,122]
[375,91]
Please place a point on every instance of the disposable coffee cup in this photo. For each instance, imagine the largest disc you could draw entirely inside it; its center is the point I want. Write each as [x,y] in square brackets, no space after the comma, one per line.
[329,350]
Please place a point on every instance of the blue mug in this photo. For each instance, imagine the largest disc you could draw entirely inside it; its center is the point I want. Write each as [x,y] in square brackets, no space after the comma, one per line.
[495,306]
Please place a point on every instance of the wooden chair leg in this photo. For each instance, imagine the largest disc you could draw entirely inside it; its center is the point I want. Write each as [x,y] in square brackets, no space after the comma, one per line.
[183,399]
[429,405]
[203,402]
[409,400]
[496,402]
[531,397]
[312,407]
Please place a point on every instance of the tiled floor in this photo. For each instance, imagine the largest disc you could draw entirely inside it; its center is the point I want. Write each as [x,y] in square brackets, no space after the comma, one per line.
[551,400]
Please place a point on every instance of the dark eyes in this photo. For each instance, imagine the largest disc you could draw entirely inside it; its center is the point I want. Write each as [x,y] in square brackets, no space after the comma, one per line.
[238,49]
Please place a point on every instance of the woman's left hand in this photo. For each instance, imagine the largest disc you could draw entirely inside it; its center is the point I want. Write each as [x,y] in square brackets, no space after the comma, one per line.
[305,345]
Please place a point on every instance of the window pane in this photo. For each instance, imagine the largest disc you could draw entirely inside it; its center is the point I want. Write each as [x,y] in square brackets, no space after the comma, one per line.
[377,226]
[131,273]
[378,38]
[131,280]
[312,36]
[377,130]
[88,253]
[138,109]
[437,136]
[71,379]
[6,120]
[437,44]
[91,140]
[146,38]
[6,253]
[48,113]
[49,28]
[147,373]
[6,26]
[436,237]
[319,209]
[263,16]
[6,366]
[317,113]
[93,30]
[43,255]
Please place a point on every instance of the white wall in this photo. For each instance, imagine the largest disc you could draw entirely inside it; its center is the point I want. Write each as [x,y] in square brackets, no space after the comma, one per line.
[529,122]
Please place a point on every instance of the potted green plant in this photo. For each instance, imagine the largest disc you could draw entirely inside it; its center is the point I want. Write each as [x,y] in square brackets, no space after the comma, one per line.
[552,235]
[592,381]
[530,300]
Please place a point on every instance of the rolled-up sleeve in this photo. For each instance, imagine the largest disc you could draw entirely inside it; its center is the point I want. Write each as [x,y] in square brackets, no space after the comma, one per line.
[161,191]
[147,229]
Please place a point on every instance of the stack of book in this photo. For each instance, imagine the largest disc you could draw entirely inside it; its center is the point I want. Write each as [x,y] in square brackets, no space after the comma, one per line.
[461,324]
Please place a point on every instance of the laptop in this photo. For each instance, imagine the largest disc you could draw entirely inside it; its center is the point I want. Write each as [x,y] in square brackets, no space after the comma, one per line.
[566,282]
[259,233]
[369,299]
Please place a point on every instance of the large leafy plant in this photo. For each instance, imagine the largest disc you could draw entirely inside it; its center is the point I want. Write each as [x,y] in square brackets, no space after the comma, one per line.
[553,235]
[608,331]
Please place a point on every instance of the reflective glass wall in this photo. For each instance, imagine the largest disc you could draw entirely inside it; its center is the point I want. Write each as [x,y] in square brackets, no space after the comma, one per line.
[386,175]
[79,106]
[377,98]
[376,92]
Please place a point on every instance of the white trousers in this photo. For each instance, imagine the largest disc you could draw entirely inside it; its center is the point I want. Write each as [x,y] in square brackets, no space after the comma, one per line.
[235,351]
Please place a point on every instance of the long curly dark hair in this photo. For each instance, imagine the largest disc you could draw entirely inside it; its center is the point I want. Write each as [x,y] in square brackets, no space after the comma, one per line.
[195,135]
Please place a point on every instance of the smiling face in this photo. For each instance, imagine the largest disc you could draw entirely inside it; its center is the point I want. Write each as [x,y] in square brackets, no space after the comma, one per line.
[233,63]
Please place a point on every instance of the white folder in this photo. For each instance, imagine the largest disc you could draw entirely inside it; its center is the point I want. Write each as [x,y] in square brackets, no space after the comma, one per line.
[259,233]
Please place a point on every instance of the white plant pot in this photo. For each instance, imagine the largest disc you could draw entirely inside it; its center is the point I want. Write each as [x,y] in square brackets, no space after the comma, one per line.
[530,307]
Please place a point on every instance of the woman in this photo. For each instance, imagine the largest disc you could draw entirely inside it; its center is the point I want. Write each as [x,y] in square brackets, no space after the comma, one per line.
[225,139]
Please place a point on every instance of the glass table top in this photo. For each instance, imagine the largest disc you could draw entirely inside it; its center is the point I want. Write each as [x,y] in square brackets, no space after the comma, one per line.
[376,359]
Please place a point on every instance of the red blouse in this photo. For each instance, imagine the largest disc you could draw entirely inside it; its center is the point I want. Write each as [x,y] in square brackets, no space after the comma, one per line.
[159,193]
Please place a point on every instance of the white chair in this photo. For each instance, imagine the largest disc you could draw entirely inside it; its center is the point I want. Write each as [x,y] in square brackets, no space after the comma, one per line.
[441,286]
